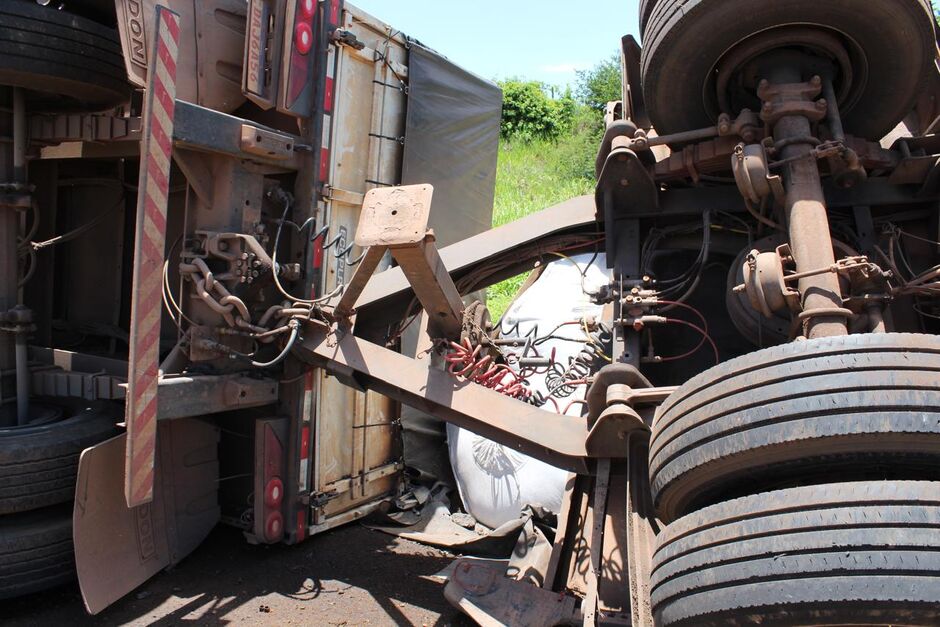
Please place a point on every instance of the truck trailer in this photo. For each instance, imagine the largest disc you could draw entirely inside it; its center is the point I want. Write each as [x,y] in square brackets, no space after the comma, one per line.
[239,237]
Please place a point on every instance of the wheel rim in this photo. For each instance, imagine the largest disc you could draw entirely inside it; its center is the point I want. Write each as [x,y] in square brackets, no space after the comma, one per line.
[732,84]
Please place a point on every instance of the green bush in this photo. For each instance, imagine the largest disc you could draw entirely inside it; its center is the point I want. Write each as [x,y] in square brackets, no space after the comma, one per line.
[548,151]
[529,113]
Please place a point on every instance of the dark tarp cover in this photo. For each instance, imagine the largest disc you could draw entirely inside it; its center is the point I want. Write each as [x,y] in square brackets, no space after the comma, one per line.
[451,142]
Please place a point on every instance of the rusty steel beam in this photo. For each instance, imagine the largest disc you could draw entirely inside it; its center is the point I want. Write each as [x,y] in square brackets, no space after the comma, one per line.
[204,130]
[189,397]
[433,287]
[553,438]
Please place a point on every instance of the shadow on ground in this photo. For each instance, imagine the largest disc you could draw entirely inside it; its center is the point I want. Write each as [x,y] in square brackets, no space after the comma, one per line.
[350,576]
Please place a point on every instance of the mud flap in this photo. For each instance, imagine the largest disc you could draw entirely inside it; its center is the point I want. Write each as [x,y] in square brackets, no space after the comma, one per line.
[118,548]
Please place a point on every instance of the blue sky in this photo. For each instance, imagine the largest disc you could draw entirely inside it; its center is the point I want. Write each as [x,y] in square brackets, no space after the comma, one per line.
[544,40]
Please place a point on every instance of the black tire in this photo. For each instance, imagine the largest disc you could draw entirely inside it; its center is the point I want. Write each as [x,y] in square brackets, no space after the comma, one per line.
[66,61]
[685,39]
[36,551]
[38,465]
[646,9]
[833,409]
[839,554]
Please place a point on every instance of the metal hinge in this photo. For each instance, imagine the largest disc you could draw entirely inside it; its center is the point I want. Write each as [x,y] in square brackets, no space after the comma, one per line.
[343,37]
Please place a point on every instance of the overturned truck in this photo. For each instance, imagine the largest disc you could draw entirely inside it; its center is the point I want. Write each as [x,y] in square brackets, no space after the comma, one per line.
[759,440]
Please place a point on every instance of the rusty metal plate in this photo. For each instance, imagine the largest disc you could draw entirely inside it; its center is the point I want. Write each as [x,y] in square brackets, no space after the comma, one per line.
[395,216]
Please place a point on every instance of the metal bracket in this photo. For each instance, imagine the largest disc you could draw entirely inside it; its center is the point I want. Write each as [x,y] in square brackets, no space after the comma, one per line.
[395,219]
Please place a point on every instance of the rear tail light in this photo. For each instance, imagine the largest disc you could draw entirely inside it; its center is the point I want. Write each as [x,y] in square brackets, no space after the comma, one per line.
[303,38]
[274,527]
[269,467]
[274,493]
[297,88]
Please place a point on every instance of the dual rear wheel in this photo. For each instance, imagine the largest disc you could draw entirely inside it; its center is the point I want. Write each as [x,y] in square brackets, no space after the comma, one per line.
[38,467]
[801,483]
[802,486]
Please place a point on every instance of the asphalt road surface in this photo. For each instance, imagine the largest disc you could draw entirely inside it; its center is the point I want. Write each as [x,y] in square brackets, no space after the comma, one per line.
[348,576]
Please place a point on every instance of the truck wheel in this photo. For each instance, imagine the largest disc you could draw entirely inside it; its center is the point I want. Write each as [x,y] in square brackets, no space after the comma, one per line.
[832,409]
[841,554]
[690,44]
[38,465]
[66,61]
[646,9]
[35,551]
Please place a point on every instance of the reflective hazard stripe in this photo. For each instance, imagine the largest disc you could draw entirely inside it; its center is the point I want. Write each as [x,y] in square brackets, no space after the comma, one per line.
[154,185]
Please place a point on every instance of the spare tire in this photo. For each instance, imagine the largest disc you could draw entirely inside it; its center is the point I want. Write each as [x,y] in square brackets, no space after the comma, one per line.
[841,408]
[685,40]
[38,465]
[67,62]
[36,551]
[841,554]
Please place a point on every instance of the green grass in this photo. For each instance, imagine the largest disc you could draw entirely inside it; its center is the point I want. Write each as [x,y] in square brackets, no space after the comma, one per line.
[531,176]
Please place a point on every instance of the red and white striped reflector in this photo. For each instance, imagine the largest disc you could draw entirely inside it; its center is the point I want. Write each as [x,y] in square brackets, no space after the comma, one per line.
[156,151]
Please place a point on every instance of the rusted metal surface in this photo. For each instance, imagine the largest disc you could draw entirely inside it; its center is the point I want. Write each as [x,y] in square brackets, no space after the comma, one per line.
[385,299]
[805,205]
[87,127]
[184,397]
[545,435]
[396,220]
[484,593]
[364,271]
[202,129]
[433,287]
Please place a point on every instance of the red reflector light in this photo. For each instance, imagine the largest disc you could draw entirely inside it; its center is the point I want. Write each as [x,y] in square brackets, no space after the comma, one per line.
[274,493]
[274,527]
[306,8]
[303,38]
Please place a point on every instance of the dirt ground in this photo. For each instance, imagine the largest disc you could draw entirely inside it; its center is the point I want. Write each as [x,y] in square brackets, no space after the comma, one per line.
[349,576]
